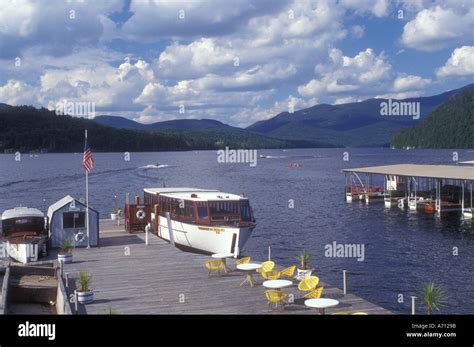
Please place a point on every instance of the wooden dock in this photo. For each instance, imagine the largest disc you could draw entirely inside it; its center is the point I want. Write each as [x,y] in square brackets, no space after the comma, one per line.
[130,277]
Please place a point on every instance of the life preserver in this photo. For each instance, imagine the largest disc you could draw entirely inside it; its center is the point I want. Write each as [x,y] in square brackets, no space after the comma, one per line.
[141,214]
[80,237]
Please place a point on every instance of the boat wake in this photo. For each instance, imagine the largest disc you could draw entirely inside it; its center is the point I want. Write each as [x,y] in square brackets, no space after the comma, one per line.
[60,178]
[158,166]
[273,156]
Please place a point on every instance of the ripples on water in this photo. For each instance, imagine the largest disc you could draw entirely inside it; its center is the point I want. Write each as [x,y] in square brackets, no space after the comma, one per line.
[403,250]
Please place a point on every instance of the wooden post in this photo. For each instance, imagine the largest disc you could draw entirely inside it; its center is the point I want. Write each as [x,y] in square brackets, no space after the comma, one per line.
[61,265]
[344,281]
[170,229]
[147,230]
[413,305]
[75,301]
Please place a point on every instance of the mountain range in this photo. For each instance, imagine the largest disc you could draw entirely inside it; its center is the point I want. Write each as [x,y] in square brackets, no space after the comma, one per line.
[357,124]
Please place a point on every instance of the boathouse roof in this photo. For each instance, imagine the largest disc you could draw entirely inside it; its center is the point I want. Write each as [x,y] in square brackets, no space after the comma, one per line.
[417,170]
[63,202]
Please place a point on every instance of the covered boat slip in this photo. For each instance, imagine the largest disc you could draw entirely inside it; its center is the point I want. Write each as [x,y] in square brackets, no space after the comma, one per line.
[432,188]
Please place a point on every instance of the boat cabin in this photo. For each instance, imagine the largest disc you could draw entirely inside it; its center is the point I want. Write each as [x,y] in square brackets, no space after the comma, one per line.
[199,206]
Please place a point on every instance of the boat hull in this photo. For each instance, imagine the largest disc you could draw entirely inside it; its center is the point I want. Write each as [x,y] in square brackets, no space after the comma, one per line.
[468,214]
[206,239]
[26,252]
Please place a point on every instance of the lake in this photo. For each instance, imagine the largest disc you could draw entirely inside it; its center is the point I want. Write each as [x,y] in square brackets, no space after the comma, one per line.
[403,250]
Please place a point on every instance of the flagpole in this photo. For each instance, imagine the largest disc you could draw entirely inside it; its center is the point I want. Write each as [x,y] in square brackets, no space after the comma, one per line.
[87,203]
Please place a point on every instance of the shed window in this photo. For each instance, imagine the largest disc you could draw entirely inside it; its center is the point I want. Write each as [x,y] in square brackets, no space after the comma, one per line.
[74,220]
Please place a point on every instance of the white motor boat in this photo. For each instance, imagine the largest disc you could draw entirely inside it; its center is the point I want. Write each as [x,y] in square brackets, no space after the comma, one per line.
[201,220]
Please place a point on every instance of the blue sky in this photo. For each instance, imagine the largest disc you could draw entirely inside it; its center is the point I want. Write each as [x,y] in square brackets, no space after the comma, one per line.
[237,61]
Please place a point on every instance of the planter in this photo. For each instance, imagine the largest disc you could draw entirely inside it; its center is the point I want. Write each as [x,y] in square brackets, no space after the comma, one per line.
[302,274]
[65,258]
[113,216]
[85,297]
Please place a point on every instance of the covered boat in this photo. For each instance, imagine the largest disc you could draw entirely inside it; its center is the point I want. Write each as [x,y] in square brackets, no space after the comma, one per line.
[24,234]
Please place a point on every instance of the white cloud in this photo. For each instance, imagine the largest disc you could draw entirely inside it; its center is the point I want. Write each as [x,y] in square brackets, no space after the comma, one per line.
[410,82]
[439,27]
[107,86]
[357,31]
[17,93]
[192,18]
[341,75]
[345,100]
[53,27]
[400,96]
[280,46]
[379,8]
[461,63]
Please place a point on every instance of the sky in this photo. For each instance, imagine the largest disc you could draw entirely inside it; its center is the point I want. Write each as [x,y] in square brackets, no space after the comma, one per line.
[236,61]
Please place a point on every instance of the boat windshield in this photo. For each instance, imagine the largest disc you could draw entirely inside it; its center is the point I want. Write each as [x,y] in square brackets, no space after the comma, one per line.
[33,225]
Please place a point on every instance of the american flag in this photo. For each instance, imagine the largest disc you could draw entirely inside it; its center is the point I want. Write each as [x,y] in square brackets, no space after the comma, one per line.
[88,160]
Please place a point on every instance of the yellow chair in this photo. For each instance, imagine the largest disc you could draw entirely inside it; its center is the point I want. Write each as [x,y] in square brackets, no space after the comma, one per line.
[308,284]
[266,266]
[314,294]
[243,260]
[271,275]
[275,298]
[215,266]
[288,272]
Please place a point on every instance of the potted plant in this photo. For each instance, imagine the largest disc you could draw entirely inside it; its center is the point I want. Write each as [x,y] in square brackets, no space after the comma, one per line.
[65,252]
[434,297]
[113,214]
[304,270]
[85,295]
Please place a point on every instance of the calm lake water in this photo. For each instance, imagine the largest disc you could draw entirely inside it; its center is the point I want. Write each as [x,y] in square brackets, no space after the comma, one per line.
[403,250]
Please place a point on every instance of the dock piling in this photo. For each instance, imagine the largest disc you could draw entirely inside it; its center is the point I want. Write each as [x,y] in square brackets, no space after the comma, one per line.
[147,231]
[344,281]
[61,268]
[75,301]
[413,305]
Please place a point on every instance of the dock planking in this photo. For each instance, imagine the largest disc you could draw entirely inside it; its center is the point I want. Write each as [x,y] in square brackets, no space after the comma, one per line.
[130,277]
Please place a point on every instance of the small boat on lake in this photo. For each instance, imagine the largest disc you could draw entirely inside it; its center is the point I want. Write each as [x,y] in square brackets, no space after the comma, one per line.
[24,234]
[201,220]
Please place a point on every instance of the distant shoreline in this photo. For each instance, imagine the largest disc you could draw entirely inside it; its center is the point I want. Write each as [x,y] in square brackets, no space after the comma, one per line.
[258,149]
